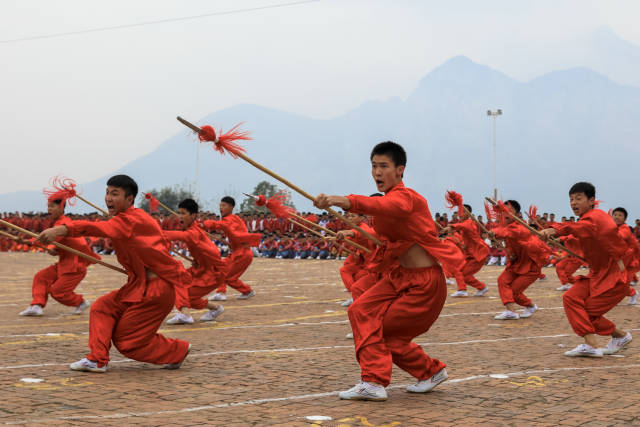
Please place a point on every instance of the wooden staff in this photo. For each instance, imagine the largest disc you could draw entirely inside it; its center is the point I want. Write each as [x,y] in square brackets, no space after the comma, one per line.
[65,248]
[315,232]
[105,213]
[288,184]
[535,232]
[12,237]
[333,233]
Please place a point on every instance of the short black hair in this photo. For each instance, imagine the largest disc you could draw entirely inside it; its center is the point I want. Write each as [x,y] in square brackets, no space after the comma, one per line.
[376,195]
[514,204]
[230,200]
[189,205]
[391,149]
[623,210]
[583,187]
[126,183]
[467,207]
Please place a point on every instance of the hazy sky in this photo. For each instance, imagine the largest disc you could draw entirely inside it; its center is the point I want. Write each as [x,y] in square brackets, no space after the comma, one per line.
[85,105]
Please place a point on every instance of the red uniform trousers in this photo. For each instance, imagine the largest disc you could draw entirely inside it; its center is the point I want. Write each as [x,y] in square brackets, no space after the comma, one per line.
[361,285]
[238,263]
[47,282]
[350,273]
[471,267]
[565,269]
[133,327]
[512,285]
[384,320]
[197,291]
[586,313]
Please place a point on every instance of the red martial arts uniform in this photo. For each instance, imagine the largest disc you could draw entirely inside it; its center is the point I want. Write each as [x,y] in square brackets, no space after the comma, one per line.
[405,302]
[208,271]
[241,242]
[527,255]
[354,266]
[60,279]
[631,257]
[591,296]
[476,252]
[131,316]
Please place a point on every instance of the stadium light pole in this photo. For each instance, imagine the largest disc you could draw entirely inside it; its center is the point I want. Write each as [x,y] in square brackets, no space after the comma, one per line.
[494,115]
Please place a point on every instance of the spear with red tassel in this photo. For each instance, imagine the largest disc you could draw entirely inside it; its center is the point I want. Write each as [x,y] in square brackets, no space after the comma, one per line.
[224,143]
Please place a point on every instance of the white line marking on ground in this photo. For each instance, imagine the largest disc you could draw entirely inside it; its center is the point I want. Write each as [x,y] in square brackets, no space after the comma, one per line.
[450,382]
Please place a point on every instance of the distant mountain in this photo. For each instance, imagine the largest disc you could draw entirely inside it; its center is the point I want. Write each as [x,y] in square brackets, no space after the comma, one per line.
[557,129]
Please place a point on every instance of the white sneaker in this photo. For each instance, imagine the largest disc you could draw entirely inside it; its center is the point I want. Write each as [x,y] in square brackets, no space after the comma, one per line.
[584,350]
[349,336]
[616,344]
[81,308]
[87,365]
[633,299]
[177,365]
[365,391]
[457,294]
[482,291]
[180,319]
[348,302]
[634,283]
[32,310]
[426,386]
[507,315]
[451,281]
[246,296]
[563,287]
[218,296]
[528,311]
[212,314]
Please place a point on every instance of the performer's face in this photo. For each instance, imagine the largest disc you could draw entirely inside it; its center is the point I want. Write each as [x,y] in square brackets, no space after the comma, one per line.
[55,210]
[385,173]
[116,200]
[580,203]
[185,217]
[225,209]
[618,217]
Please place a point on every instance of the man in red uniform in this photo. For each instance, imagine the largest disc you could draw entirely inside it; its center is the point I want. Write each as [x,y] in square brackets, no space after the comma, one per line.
[409,297]
[60,279]
[631,256]
[476,252]
[569,264]
[241,242]
[131,315]
[527,255]
[592,296]
[207,272]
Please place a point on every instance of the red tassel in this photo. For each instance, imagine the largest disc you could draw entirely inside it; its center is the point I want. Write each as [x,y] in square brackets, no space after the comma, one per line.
[610,213]
[533,212]
[63,189]
[455,200]
[276,204]
[225,142]
[489,211]
[502,211]
[154,204]
[597,203]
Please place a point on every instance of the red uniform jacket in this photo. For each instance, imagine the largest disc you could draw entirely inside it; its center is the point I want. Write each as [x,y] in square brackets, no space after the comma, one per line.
[139,245]
[68,262]
[236,231]
[475,246]
[526,252]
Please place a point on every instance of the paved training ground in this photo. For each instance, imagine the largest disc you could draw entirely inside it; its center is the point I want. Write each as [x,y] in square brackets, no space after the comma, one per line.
[281,357]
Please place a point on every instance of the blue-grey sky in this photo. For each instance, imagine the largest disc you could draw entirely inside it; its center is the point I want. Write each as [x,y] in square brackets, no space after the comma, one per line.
[84,105]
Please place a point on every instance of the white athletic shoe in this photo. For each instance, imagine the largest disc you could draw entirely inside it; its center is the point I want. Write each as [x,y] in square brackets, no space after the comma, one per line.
[218,296]
[616,344]
[81,308]
[177,365]
[482,291]
[212,314]
[528,311]
[584,350]
[426,386]
[365,391]
[457,294]
[564,287]
[348,302]
[507,315]
[32,310]
[87,365]
[246,296]
[451,281]
[633,299]
[634,283]
[180,319]
[349,336]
